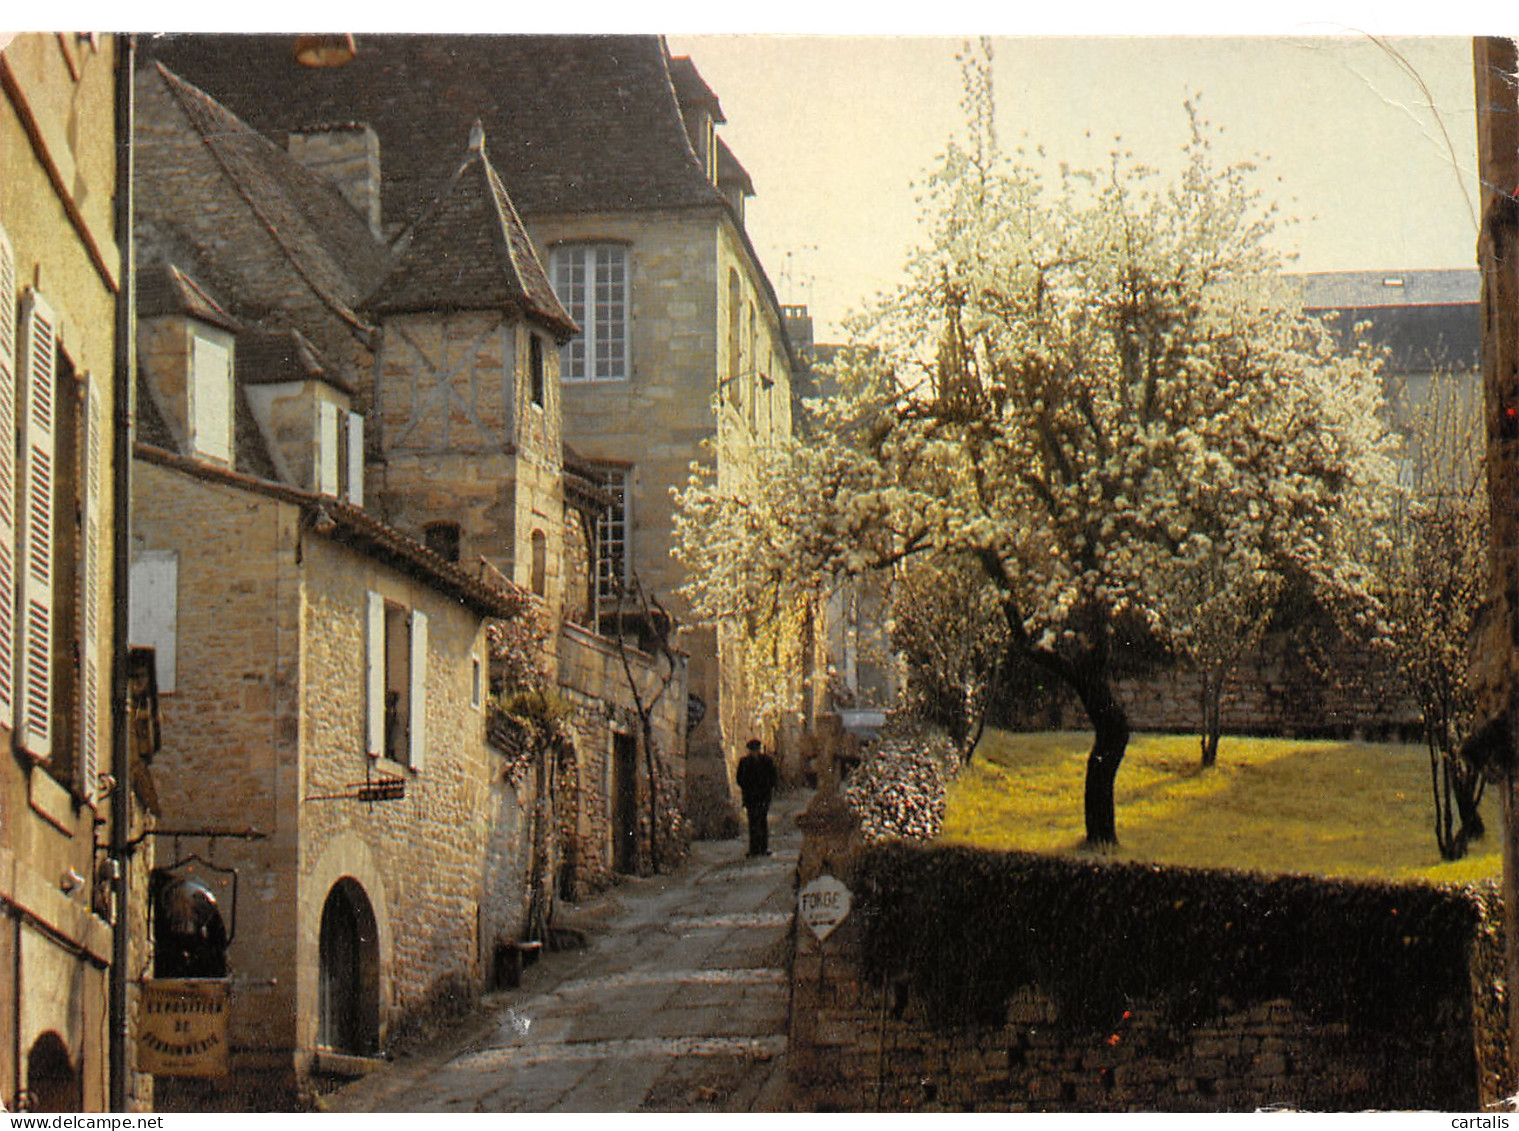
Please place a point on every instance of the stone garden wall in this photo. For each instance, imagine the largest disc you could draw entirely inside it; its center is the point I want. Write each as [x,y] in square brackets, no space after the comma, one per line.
[965,980]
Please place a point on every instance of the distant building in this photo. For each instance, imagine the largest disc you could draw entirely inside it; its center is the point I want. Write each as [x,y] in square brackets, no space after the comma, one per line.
[1428,323]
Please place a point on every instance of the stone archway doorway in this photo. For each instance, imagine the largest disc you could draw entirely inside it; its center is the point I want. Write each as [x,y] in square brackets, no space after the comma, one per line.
[349,991]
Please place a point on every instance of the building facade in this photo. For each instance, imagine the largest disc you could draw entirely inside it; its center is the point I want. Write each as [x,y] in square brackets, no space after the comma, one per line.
[608,148]
[387,747]
[63,835]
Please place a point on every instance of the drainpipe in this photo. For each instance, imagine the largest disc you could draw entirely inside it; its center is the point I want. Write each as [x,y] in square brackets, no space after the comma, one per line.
[123,414]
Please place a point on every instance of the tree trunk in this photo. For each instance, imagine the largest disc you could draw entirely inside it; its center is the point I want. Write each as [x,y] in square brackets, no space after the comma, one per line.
[1468,798]
[1213,694]
[1110,725]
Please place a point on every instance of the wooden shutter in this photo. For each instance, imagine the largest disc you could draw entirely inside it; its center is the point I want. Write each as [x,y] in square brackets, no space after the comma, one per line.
[90,635]
[326,448]
[34,695]
[7,480]
[355,490]
[418,699]
[374,676]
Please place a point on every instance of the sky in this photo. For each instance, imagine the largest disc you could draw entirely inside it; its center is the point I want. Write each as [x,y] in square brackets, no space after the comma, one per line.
[1368,144]
[1362,111]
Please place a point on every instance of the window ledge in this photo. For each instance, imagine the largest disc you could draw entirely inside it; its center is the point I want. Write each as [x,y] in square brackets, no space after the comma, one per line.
[52,801]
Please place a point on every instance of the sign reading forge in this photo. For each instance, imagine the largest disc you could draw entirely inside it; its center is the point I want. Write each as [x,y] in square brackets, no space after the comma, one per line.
[823,905]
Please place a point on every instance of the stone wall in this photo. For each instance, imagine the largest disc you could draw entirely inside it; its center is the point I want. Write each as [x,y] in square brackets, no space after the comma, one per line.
[866,1041]
[1276,691]
[662,418]
[593,680]
[265,733]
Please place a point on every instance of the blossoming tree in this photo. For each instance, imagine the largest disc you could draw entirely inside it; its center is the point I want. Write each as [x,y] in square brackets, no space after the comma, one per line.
[1088,386]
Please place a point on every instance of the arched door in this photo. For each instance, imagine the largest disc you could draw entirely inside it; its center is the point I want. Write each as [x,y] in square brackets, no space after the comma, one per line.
[349,998]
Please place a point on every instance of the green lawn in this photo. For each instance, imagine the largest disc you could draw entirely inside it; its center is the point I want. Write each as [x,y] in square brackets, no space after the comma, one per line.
[1273,805]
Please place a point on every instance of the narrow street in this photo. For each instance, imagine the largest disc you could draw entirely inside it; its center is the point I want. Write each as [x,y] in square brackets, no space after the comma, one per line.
[678,1003]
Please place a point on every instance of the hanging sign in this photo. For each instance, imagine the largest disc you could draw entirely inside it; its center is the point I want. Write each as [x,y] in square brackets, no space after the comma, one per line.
[182,1027]
[823,904]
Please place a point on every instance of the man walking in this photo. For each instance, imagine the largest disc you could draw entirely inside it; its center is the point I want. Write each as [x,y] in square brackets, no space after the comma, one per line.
[756,781]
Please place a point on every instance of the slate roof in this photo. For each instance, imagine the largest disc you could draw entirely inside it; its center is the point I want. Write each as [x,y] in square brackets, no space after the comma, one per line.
[319,233]
[691,89]
[730,171]
[272,357]
[469,251]
[1364,289]
[165,289]
[577,123]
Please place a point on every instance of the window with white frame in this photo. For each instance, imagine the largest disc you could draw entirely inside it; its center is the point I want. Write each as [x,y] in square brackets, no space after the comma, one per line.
[591,281]
[612,531]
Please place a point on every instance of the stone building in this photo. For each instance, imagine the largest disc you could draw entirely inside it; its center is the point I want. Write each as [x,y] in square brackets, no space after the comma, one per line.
[608,147]
[69,810]
[352,519]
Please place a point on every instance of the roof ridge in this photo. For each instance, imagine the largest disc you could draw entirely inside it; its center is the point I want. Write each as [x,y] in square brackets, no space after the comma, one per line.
[511,222]
[185,93]
[510,260]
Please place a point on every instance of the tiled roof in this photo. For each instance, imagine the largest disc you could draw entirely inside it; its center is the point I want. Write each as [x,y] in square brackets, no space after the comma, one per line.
[327,244]
[469,251]
[577,123]
[164,289]
[365,533]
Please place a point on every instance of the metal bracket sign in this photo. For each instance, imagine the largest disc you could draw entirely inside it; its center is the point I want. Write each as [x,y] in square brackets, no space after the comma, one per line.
[823,905]
[182,1027]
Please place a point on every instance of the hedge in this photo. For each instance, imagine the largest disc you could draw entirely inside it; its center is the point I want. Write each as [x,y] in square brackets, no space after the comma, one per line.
[963,929]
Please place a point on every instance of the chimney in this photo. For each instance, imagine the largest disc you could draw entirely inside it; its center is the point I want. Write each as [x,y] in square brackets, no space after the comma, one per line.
[798,324]
[348,155]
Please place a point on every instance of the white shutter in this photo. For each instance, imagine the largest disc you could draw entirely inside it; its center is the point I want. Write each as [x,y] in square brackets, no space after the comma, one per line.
[90,636]
[34,695]
[418,701]
[355,491]
[374,676]
[326,448]
[7,480]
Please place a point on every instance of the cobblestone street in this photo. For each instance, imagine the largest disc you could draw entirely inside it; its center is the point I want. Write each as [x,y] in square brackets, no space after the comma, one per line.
[678,1003]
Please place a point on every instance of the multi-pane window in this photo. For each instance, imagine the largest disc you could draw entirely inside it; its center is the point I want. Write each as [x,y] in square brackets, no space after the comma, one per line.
[591,281]
[612,537]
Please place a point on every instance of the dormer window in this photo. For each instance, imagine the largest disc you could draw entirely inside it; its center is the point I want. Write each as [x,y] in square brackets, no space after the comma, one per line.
[211,394]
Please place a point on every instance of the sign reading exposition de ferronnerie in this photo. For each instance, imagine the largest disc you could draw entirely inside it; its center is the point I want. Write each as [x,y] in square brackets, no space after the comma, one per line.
[182,1027]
